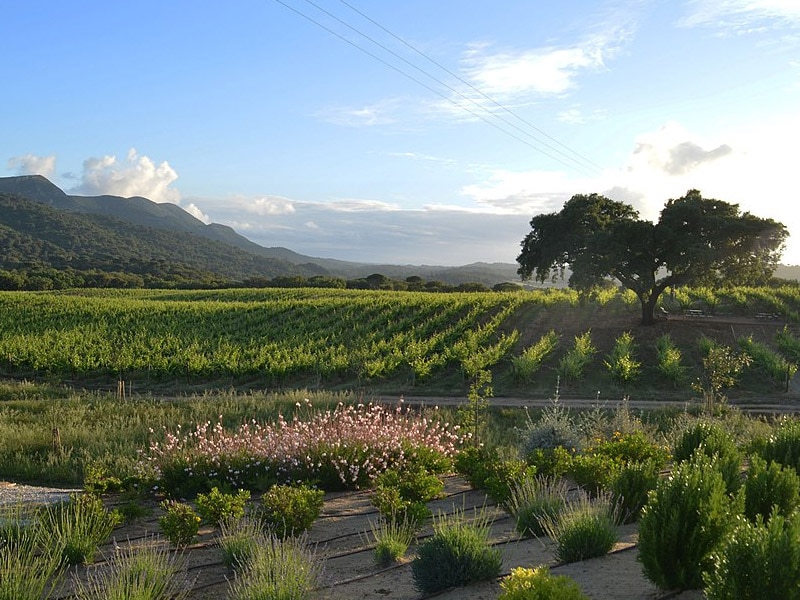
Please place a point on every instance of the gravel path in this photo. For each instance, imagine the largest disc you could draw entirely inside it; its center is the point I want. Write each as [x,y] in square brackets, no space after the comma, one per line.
[15,493]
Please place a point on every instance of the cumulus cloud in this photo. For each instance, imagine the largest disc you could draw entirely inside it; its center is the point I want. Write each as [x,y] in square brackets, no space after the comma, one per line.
[133,176]
[195,211]
[669,150]
[31,164]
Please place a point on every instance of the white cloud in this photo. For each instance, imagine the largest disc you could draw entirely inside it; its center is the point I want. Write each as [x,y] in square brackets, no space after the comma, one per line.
[670,150]
[742,16]
[752,167]
[269,205]
[379,113]
[549,70]
[31,164]
[195,211]
[134,176]
[542,71]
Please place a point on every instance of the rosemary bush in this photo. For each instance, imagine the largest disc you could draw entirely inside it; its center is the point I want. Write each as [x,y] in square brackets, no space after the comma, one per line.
[685,518]
[631,486]
[770,487]
[757,560]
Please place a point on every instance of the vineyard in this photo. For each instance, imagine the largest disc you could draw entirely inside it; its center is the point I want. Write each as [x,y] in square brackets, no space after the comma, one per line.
[316,337]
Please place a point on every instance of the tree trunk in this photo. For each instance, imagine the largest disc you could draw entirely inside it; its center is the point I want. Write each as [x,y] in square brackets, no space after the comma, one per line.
[648,309]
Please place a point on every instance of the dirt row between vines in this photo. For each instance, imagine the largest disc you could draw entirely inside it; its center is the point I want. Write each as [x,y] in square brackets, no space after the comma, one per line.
[345,548]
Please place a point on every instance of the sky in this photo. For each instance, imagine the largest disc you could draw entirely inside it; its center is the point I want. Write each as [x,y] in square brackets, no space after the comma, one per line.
[414,132]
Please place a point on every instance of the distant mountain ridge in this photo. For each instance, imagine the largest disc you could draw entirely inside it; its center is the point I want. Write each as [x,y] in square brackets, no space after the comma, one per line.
[144,216]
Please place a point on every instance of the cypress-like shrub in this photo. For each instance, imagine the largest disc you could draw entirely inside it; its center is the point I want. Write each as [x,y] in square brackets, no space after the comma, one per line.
[770,487]
[757,561]
[685,518]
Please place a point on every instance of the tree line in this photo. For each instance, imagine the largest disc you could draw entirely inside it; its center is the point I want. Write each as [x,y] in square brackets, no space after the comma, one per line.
[160,274]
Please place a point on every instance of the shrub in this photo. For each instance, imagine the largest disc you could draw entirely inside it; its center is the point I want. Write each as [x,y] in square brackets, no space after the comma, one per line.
[504,475]
[78,527]
[769,488]
[631,486]
[471,463]
[633,447]
[757,560]
[216,506]
[534,500]
[239,538]
[593,472]
[457,554]
[146,571]
[29,570]
[279,569]
[289,510]
[622,363]
[585,528]
[391,504]
[555,428]
[392,538]
[713,441]
[179,523]
[550,462]
[344,448]
[784,445]
[684,519]
[539,584]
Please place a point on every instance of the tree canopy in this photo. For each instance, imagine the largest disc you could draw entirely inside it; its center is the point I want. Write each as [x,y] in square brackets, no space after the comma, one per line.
[695,241]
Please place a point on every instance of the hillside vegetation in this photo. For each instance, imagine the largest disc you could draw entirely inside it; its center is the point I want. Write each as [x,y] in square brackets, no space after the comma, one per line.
[412,343]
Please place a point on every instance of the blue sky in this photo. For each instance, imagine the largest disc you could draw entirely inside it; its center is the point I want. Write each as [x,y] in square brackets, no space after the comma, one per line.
[415,132]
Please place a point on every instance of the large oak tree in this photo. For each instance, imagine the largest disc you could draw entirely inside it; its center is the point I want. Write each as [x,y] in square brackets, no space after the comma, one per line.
[695,241]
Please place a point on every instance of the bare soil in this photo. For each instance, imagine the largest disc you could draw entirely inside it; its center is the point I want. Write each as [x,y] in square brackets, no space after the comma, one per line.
[343,543]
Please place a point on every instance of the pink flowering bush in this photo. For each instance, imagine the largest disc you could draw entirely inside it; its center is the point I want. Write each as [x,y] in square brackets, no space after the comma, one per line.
[343,448]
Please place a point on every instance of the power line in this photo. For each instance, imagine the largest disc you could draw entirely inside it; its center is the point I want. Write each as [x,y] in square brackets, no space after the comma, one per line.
[433,90]
[468,84]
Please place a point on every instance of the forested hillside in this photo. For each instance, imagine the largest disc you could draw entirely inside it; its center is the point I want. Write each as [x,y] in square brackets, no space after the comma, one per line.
[36,239]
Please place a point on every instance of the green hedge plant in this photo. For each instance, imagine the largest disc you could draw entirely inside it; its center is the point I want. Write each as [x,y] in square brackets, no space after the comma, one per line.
[770,487]
[684,520]
[290,510]
[757,560]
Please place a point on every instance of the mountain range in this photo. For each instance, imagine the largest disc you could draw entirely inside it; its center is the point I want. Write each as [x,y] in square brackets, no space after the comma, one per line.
[43,226]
